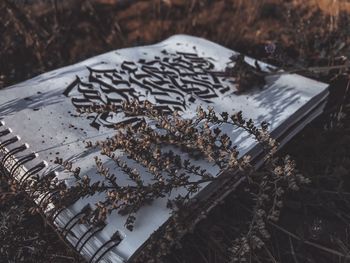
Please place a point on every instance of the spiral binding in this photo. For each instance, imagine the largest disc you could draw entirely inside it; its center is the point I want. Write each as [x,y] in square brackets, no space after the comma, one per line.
[11,153]
[83,236]
[46,195]
[34,170]
[12,167]
[5,132]
[7,142]
[116,238]
[99,229]
[83,211]
[54,217]
[20,162]
[51,174]
[105,252]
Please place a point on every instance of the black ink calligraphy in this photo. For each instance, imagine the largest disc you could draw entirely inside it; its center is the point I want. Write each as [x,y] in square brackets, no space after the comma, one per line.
[171,83]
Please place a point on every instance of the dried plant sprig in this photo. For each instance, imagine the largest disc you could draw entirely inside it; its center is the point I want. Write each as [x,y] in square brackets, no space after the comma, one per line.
[146,143]
[168,170]
[279,176]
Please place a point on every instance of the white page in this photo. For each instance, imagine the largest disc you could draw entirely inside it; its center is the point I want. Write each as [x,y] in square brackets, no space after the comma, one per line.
[40,112]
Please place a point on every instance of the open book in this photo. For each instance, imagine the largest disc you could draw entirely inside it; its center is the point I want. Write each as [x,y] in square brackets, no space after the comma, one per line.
[39,122]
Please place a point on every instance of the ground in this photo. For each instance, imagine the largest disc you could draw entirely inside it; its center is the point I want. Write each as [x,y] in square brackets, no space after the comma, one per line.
[314,226]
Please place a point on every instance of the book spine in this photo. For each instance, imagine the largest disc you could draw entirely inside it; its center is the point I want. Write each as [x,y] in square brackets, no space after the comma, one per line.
[15,167]
[8,160]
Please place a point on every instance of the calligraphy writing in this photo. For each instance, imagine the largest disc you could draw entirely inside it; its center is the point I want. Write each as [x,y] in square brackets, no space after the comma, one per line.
[171,83]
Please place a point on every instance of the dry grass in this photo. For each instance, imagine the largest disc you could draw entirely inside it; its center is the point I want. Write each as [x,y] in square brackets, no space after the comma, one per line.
[38,37]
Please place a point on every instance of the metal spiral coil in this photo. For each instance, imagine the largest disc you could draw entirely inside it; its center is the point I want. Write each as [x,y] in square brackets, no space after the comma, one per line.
[84,211]
[99,229]
[116,239]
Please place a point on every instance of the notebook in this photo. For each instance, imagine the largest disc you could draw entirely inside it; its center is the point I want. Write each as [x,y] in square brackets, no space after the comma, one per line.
[39,122]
